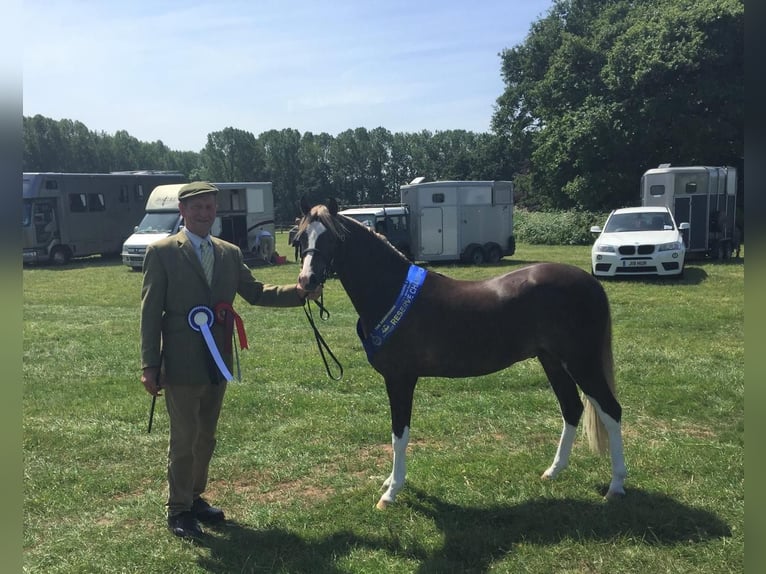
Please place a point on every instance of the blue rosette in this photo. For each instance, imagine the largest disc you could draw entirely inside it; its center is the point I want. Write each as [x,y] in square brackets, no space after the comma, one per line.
[201,319]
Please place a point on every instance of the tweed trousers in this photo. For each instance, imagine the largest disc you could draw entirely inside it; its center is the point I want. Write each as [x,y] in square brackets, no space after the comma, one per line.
[193,411]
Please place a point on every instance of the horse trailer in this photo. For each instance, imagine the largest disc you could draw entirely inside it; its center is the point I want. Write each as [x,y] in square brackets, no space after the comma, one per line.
[245,211]
[471,221]
[702,196]
[68,215]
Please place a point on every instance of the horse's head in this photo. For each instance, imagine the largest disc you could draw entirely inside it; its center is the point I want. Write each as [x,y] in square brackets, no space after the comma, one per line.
[319,235]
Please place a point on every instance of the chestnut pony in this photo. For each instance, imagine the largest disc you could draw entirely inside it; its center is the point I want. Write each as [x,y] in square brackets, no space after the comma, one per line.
[416,323]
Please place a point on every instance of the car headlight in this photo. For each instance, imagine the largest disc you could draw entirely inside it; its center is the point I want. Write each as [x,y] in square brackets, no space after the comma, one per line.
[604,248]
[673,246]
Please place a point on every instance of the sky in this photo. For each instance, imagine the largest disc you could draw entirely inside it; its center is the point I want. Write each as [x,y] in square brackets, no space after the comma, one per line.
[175,70]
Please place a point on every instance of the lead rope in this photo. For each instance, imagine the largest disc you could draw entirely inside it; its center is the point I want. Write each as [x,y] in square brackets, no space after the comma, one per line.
[324,314]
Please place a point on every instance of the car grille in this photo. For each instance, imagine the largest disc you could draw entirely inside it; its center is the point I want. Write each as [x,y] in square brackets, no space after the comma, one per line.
[632,250]
[629,270]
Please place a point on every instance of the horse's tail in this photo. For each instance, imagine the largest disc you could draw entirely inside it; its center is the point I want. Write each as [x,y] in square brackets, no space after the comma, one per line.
[595,431]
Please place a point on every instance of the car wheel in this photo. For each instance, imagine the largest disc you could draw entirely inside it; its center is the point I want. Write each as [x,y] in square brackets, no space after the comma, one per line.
[59,255]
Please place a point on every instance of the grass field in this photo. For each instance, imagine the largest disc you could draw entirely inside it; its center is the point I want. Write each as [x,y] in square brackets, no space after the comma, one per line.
[301,457]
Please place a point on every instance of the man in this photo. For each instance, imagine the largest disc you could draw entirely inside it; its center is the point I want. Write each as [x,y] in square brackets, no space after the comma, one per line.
[264,245]
[174,354]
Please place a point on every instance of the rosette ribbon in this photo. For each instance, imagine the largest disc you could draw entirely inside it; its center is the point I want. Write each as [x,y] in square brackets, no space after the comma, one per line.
[201,318]
[228,317]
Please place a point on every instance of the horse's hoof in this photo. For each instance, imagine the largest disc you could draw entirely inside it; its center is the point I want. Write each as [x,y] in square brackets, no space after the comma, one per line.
[614,495]
[549,474]
[382,504]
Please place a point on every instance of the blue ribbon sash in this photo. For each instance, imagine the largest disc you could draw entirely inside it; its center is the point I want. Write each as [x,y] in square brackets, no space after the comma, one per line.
[201,318]
[390,321]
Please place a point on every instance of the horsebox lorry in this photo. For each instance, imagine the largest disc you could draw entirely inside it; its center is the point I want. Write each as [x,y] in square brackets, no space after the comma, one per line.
[68,215]
[245,211]
[470,221]
[703,196]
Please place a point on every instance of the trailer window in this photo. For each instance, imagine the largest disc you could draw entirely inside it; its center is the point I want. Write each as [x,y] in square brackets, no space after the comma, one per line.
[124,194]
[437,198]
[77,203]
[691,187]
[96,202]
[138,192]
[656,190]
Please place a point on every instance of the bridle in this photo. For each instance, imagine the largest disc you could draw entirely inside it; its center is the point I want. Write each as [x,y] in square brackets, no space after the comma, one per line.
[324,315]
[328,262]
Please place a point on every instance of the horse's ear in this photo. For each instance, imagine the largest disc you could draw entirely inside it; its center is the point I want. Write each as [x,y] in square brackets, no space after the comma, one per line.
[332,205]
[305,207]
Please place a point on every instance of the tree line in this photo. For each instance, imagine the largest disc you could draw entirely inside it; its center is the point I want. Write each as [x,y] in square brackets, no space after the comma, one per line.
[598,92]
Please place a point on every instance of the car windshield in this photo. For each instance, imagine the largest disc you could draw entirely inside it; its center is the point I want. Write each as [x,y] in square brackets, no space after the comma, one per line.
[646,221]
[158,223]
[368,220]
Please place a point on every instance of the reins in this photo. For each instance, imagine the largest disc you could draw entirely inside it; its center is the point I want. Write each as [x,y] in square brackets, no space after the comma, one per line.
[324,314]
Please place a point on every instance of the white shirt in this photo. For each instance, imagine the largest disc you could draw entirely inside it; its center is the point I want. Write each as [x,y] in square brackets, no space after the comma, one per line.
[197,242]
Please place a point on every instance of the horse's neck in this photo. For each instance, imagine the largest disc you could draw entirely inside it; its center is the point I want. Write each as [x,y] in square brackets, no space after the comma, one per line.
[372,274]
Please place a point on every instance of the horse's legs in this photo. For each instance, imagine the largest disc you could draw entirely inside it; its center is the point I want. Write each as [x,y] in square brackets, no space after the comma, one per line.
[571,410]
[400,393]
[619,471]
[594,383]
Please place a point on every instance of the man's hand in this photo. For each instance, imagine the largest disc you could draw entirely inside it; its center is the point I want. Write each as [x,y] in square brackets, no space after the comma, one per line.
[309,295]
[150,378]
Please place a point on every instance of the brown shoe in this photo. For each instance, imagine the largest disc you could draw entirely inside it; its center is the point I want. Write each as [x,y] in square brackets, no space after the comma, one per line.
[206,513]
[185,525]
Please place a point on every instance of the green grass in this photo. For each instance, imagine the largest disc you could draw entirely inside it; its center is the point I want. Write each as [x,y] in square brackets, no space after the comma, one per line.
[301,457]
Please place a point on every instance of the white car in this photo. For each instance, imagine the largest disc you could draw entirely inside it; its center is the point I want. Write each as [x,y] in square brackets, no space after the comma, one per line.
[639,241]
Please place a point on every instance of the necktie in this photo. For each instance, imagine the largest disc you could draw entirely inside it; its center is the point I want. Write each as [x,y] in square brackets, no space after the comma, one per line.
[206,250]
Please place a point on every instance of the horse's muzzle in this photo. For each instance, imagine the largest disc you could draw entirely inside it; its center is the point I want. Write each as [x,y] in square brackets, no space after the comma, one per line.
[309,278]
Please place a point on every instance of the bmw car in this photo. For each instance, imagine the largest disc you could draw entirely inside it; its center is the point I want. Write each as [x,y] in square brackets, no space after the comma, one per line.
[639,241]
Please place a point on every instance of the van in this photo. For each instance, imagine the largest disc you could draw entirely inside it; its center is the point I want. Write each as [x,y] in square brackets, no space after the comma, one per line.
[245,212]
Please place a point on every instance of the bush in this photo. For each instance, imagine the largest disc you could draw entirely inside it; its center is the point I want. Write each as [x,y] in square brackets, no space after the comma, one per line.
[556,227]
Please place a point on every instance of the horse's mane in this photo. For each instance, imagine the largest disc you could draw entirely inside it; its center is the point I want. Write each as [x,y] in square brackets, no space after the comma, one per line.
[341,226]
[322,214]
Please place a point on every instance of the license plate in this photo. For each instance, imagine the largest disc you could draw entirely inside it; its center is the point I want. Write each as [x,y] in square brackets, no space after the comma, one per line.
[634,263]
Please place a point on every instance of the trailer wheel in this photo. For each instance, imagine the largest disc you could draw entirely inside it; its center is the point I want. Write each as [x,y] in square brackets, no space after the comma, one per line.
[494,254]
[476,255]
[60,255]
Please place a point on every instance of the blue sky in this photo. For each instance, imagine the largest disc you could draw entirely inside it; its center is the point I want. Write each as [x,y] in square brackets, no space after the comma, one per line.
[175,70]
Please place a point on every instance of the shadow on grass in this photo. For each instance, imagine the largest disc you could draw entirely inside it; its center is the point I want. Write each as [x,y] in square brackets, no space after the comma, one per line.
[235,547]
[474,538]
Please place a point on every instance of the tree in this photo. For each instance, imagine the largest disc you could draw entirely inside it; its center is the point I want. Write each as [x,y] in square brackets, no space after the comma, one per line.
[601,90]
[282,152]
[233,155]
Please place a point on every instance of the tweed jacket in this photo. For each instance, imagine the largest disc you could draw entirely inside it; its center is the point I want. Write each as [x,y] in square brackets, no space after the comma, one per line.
[173,284]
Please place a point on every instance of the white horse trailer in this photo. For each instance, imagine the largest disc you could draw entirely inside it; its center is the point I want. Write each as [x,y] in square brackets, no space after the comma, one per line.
[703,196]
[470,221]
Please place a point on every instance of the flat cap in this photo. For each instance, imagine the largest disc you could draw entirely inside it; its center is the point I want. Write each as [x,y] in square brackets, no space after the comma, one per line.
[196,188]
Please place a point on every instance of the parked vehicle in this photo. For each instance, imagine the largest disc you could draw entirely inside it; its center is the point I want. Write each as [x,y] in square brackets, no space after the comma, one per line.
[470,221]
[393,221]
[639,241]
[702,196]
[68,215]
[245,212]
